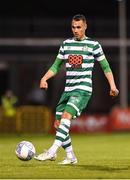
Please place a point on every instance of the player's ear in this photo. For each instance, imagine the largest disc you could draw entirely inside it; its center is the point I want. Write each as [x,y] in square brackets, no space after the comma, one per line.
[85,26]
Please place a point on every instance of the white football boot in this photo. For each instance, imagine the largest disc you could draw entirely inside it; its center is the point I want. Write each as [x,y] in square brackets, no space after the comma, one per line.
[45,156]
[67,161]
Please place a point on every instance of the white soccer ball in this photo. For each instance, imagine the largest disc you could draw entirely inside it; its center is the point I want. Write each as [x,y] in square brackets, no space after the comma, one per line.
[25,150]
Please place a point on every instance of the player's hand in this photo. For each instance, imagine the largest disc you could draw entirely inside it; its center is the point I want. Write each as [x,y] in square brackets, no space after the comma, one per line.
[43,84]
[114,92]
[56,124]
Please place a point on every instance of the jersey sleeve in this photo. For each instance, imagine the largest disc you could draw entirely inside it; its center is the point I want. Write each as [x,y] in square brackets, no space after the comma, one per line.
[61,52]
[98,52]
[56,65]
[105,66]
[59,60]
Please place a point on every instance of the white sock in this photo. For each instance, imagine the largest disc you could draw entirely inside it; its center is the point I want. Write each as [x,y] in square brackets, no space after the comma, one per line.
[68,148]
[70,153]
[61,135]
[53,149]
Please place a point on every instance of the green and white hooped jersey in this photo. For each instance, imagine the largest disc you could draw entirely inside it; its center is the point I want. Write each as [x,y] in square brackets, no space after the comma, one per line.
[79,58]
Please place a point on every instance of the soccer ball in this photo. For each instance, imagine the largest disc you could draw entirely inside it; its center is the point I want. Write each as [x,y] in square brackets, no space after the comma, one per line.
[25,150]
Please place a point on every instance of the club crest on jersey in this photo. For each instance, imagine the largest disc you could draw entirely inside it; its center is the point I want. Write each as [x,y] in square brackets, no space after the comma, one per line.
[68,48]
[75,61]
[85,48]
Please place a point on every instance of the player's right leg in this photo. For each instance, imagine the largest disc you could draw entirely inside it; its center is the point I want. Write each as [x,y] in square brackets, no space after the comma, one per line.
[61,134]
[47,155]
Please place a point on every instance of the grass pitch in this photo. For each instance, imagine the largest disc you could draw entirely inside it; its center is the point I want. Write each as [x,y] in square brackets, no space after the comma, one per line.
[100,156]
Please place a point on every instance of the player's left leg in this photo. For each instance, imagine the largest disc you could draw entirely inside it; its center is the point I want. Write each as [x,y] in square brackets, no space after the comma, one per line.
[74,106]
[70,156]
[59,114]
[67,146]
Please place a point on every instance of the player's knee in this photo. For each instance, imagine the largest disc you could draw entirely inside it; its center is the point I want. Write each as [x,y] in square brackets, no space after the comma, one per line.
[56,124]
[66,115]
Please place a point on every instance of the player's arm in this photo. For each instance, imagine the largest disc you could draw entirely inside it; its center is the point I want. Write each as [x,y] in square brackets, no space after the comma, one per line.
[109,75]
[54,69]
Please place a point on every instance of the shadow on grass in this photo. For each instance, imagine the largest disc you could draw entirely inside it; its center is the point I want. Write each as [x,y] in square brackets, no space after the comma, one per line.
[102,168]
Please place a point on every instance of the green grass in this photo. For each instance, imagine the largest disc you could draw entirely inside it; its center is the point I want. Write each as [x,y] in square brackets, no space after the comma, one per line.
[100,156]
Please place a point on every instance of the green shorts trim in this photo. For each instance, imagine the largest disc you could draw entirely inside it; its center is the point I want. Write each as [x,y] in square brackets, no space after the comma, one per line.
[73,103]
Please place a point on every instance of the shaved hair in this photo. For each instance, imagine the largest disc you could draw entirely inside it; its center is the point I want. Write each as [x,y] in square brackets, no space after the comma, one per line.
[79,17]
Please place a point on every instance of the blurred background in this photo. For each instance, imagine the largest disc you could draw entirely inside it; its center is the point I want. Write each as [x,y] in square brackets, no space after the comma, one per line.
[30,35]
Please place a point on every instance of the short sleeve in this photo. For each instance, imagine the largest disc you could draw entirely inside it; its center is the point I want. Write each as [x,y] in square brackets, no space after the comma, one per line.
[61,52]
[98,52]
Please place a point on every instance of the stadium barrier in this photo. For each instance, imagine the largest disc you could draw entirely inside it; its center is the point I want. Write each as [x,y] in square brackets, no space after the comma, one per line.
[120,119]
[91,123]
[28,119]
[117,120]
[7,124]
[39,119]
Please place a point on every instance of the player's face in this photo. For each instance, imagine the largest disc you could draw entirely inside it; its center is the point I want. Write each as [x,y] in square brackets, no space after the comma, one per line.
[78,29]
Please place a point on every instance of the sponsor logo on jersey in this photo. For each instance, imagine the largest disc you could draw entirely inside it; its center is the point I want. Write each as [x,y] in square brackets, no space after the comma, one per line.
[75,61]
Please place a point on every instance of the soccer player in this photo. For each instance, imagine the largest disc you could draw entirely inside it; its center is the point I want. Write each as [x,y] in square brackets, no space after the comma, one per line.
[79,54]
